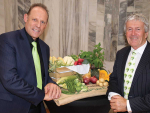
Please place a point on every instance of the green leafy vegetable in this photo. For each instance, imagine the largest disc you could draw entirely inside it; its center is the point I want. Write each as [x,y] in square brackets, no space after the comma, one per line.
[72,84]
[75,57]
[96,57]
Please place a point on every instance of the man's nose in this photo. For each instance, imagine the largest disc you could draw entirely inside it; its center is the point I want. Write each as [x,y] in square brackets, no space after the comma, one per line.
[133,32]
[38,24]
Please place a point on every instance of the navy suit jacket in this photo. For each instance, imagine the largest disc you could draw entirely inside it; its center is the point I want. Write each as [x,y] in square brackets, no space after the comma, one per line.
[139,95]
[17,73]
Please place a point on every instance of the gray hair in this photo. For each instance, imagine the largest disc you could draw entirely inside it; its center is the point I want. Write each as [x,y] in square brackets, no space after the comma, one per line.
[138,17]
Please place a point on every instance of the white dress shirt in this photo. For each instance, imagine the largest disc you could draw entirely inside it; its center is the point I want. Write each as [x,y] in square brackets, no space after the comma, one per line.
[140,51]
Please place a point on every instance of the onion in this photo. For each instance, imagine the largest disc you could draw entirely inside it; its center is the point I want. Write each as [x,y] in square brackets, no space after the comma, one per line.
[93,80]
[97,82]
[101,80]
[101,84]
[86,80]
[105,83]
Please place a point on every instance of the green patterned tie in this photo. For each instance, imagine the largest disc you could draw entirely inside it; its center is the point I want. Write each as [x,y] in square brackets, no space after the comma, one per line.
[128,75]
[37,65]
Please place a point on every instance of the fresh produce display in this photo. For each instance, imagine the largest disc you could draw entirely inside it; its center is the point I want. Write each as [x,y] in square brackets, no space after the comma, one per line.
[95,58]
[76,83]
[75,57]
[53,59]
[95,72]
[79,61]
[68,60]
[93,80]
[86,80]
[101,82]
[87,75]
[58,62]
[103,74]
[71,84]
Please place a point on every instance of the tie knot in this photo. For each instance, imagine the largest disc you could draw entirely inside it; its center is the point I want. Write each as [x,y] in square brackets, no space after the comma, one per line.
[34,44]
[134,53]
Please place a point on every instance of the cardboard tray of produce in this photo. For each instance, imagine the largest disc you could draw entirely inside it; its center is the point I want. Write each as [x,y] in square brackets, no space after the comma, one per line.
[93,90]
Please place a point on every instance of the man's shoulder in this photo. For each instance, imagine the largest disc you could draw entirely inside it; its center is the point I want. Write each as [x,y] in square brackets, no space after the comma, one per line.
[124,49]
[10,33]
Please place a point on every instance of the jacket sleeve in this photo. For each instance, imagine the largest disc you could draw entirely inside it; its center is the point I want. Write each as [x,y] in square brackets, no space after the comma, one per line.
[9,77]
[49,79]
[139,104]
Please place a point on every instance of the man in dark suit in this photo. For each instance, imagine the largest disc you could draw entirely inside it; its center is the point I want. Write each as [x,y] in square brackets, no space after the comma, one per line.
[129,88]
[20,92]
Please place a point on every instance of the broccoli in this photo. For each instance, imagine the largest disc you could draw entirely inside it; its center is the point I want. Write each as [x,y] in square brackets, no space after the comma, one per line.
[79,84]
[84,88]
[70,85]
[78,89]
[76,81]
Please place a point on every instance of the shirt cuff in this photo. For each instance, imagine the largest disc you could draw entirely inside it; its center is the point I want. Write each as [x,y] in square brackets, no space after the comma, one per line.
[128,107]
[111,94]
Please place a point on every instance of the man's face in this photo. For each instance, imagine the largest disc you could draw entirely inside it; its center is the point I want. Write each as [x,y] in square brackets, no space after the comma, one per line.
[36,22]
[135,33]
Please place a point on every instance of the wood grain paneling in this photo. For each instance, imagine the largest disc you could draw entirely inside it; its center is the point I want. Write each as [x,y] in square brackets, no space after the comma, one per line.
[100,22]
[76,25]
[2,15]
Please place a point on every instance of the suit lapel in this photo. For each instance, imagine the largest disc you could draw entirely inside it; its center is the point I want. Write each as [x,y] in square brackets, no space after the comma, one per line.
[27,48]
[44,53]
[144,60]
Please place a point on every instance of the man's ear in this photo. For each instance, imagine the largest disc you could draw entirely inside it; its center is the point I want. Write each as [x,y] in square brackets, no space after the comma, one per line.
[146,35]
[25,17]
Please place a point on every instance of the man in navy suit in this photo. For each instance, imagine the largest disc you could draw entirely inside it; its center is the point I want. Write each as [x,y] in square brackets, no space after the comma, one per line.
[137,100]
[18,84]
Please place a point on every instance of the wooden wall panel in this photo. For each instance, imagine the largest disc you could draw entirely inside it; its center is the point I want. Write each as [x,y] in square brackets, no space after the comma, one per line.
[10,9]
[22,8]
[92,24]
[2,15]
[111,29]
[83,25]
[69,27]
[51,34]
[73,26]
[100,22]
[76,25]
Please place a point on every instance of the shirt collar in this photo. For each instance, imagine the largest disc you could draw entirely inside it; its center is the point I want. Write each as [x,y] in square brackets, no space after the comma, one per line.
[140,49]
[30,39]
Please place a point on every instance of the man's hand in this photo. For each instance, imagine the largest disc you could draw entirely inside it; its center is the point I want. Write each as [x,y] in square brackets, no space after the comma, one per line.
[52,91]
[118,104]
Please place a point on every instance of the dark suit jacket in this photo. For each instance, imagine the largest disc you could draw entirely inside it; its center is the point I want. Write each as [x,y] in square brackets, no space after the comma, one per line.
[139,95]
[17,73]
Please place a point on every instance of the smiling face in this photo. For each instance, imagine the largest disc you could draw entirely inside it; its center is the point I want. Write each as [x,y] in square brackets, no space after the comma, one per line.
[135,33]
[36,22]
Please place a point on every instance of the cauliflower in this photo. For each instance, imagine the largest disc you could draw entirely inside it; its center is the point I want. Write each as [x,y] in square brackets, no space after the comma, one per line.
[68,60]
